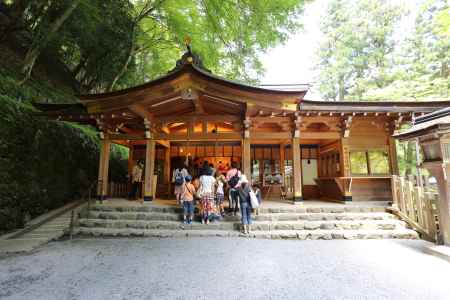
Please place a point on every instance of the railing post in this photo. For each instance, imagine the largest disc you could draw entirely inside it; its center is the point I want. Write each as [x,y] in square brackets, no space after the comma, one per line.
[401,195]
[394,188]
[430,219]
[418,192]
[409,196]
[71,223]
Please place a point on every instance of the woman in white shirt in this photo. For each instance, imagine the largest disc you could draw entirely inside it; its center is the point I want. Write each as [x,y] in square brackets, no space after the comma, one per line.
[206,193]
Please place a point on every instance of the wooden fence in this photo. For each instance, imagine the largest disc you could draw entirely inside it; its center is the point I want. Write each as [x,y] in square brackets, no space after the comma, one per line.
[416,205]
[117,190]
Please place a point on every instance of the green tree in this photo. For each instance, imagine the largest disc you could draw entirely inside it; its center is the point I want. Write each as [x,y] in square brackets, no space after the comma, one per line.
[45,36]
[357,49]
[113,44]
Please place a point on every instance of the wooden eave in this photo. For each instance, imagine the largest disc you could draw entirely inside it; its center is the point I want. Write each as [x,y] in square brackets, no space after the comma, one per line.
[437,122]
[366,107]
[414,132]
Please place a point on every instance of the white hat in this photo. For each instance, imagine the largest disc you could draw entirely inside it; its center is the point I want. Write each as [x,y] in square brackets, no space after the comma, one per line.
[244,179]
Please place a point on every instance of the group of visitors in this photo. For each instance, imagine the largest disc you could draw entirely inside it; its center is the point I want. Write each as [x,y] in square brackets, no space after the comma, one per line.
[209,189]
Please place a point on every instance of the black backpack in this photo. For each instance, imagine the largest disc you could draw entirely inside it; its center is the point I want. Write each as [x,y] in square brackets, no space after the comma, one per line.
[234,180]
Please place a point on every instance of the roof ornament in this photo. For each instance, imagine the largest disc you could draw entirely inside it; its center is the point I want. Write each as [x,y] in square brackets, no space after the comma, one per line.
[189,57]
[187,42]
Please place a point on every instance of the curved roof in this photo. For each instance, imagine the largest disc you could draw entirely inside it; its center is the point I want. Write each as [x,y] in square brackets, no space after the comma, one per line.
[191,63]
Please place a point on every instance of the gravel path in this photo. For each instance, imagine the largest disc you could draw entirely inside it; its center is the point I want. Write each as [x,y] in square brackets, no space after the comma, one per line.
[220,268]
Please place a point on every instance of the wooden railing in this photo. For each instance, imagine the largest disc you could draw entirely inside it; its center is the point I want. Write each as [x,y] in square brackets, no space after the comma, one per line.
[416,205]
[117,190]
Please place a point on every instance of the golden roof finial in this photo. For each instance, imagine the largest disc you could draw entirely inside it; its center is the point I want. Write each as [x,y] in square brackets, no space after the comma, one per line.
[187,41]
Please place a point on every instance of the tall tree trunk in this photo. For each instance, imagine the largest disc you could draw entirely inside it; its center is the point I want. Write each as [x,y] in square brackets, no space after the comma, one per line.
[127,61]
[37,46]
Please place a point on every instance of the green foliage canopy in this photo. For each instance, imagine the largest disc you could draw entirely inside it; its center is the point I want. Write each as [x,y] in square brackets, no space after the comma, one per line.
[368,54]
[120,43]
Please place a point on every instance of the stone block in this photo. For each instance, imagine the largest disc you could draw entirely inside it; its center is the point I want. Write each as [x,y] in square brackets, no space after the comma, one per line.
[298,226]
[287,217]
[350,236]
[327,226]
[337,235]
[288,235]
[314,210]
[327,236]
[312,225]
[315,235]
[281,226]
[314,217]
[302,235]
[301,210]
[386,226]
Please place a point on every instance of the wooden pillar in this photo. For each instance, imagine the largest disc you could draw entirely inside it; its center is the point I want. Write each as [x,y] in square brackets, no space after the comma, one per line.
[297,168]
[103,169]
[246,163]
[245,149]
[393,156]
[167,170]
[149,169]
[130,159]
[345,167]
[345,158]
[282,159]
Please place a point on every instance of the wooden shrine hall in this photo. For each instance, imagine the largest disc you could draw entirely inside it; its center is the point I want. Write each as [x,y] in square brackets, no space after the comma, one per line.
[291,147]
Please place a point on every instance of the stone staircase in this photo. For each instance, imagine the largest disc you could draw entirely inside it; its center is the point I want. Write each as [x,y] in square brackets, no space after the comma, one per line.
[290,222]
[41,230]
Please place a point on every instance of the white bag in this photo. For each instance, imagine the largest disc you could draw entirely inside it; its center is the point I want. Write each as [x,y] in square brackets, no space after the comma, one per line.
[253,199]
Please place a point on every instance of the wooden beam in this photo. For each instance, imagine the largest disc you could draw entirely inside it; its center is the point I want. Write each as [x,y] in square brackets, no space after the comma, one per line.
[230,136]
[163,143]
[141,111]
[189,118]
[320,135]
[347,126]
[269,135]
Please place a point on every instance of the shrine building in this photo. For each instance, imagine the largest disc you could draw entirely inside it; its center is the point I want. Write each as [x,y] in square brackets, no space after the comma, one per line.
[293,148]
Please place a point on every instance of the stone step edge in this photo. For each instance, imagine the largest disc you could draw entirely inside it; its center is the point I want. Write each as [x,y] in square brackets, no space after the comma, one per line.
[148,216]
[258,226]
[389,221]
[278,214]
[322,209]
[280,234]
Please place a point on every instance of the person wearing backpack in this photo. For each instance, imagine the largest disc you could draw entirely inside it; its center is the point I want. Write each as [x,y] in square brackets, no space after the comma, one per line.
[245,204]
[178,179]
[187,197]
[233,181]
